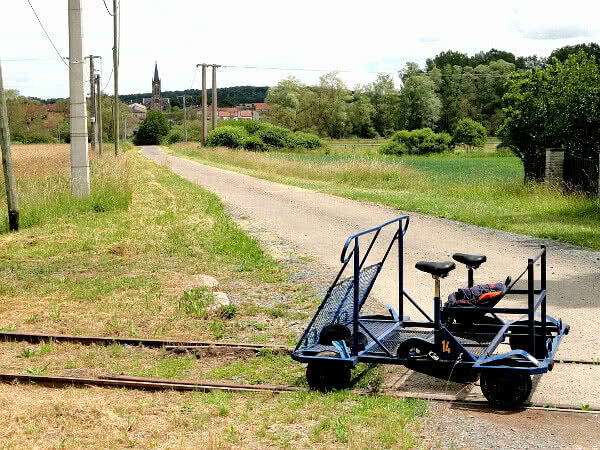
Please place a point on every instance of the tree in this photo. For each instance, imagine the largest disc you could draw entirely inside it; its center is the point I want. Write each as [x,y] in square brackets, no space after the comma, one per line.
[360,113]
[330,106]
[385,100]
[286,100]
[563,53]
[152,129]
[419,105]
[553,107]
[470,134]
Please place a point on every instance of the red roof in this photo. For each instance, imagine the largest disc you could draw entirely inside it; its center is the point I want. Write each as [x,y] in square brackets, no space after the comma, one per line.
[246,114]
[262,106]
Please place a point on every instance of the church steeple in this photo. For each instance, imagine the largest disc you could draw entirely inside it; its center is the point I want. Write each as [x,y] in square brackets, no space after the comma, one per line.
[155,79]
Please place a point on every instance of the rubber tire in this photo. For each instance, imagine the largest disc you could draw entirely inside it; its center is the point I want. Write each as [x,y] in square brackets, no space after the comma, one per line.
[338,332]
[505,389]
[325,376]
[522,342]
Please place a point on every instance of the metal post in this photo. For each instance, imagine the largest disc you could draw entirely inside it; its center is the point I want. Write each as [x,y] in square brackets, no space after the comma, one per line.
[99,115]
[9,179]
[436,304]
[204,110]
[214,96]
[470,275]
[356,298]
[116,74]
[80,165]
[543,288]
[530,305]
[400,272]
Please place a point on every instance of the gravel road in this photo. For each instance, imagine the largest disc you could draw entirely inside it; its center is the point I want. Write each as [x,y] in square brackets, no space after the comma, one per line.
[316,225]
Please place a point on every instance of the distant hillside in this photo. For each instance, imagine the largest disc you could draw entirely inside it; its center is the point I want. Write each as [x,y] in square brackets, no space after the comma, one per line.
[226,97]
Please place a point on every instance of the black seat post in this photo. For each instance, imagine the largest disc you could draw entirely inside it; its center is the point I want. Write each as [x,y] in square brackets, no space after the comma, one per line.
[471,281]
[437,303]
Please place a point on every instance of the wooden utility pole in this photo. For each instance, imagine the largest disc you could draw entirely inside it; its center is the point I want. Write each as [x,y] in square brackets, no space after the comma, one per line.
[116,74]
[99,112]
[93,101]
[214,96]
[9,179]
[204,109]
[80,164]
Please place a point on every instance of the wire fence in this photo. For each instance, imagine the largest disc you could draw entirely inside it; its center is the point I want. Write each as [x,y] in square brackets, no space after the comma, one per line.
[581,174]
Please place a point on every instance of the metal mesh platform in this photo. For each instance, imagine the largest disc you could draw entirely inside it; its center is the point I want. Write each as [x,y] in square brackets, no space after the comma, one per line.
[338,305]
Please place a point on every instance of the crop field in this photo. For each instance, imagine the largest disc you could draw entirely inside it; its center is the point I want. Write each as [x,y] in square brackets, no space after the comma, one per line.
[130,262]
[482,188]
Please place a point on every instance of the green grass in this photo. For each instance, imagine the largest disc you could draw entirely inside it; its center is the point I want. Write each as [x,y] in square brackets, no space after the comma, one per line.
[481,188]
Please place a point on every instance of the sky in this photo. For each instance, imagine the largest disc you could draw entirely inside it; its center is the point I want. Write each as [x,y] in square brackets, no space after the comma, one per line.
[357,38]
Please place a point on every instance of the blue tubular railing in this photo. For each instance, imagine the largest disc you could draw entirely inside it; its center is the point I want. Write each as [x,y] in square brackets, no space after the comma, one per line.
[358,264]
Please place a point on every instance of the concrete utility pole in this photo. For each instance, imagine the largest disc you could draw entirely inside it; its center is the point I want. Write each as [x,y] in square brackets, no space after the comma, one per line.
[214,96]
[9,179]
[80,165]
[99,112]
[204,109]
[116,74]
[93,101]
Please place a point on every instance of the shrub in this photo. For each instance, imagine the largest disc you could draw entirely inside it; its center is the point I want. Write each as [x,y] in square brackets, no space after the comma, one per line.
[152,129]
[227,136]
[393,148]
[274,136]
[251,126]
[255,144]
[175,135]
[469,133]
[304,140]
[36,138]
[417,142]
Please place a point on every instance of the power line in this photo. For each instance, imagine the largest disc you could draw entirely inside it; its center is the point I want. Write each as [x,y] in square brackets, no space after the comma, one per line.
[46,33]
[109,77]
[107,10]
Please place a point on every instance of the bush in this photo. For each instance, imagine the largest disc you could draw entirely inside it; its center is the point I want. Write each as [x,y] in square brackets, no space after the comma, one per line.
[417,142]
[152,129]
[469,133]
[36,138]
[227,136]
[274,136]
[304,140]
[393,148]
[251,126]
[255,144]
[175,135]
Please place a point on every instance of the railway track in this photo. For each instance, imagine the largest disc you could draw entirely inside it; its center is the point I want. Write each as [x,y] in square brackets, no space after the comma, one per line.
[155,384]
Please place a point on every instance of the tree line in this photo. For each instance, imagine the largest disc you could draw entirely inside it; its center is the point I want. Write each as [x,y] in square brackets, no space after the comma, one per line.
[452,86]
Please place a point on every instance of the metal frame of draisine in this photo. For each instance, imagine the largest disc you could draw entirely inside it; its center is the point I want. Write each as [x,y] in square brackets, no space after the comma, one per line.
[459,343]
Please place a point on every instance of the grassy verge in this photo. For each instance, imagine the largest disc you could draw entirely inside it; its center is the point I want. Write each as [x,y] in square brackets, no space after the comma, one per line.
[137,269]
[484,189]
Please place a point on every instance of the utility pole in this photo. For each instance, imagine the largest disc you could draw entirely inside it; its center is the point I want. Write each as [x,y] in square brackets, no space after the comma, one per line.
[116,74]
[93,101]
[9,179]
[80,164]
[214,96]
[204,109]
[99,113]
[184,119]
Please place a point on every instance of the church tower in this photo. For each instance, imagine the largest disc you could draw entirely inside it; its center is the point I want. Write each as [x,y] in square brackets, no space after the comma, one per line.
[156,100]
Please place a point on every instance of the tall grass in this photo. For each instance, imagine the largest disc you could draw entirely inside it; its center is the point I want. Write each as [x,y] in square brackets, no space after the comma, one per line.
[42,174]
[483,188]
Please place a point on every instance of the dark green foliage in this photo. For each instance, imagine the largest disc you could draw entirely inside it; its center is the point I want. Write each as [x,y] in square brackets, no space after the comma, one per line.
[554,107]
[563,53]
[175,135]
[304,140]
[255,144]
[35,138]
[152,129]
[469,133]
[227,136]
[417,142]
[251,126]
[274,136]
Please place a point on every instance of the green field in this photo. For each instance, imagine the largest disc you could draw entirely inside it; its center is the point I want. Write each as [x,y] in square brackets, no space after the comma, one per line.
[482,188]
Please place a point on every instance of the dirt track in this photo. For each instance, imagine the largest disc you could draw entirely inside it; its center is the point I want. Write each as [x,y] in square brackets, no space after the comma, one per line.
[316,225]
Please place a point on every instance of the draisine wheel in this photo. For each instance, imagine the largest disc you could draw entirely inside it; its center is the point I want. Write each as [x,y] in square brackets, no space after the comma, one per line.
[414,348]
[325,375]
[505,389]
